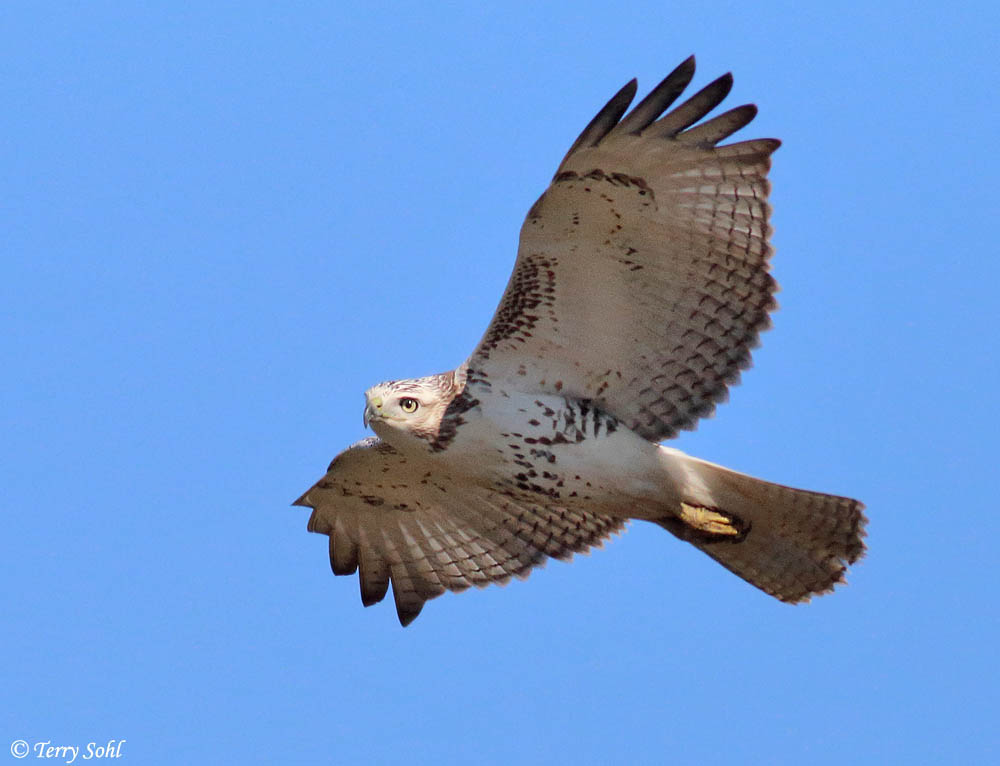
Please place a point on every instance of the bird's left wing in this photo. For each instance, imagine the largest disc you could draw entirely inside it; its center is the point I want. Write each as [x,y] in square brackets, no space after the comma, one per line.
[641,281]
[394,518]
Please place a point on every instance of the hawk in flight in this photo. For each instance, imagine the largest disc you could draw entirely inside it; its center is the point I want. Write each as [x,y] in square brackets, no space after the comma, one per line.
[640,286]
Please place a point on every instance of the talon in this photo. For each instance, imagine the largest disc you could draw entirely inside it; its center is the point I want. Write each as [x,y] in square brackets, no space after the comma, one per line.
[711,521]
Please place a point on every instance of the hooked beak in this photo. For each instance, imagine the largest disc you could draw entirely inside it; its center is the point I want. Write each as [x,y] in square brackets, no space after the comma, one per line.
[373,409]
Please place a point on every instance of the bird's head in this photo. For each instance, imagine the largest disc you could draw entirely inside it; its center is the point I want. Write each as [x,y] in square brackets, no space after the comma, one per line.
[401,410]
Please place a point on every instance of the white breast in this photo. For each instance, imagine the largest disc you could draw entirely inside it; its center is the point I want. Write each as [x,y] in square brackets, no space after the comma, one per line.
[558,449]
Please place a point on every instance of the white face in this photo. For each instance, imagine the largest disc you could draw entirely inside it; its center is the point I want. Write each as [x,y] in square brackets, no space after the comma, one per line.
[399,409]
[405,414]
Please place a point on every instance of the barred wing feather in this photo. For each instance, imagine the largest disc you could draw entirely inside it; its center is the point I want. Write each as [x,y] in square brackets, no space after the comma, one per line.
[391,519]
[641,281]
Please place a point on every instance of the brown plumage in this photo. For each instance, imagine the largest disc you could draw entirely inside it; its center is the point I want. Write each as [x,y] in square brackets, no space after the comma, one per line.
[640,287]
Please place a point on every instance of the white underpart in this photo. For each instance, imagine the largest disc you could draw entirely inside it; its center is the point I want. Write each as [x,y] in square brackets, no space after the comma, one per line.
[619,472]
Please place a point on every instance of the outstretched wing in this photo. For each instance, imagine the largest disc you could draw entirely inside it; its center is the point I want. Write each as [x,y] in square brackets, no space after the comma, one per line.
[393,518]
[641,280]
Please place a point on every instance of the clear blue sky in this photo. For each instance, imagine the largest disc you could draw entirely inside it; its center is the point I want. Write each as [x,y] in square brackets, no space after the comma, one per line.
[221,222]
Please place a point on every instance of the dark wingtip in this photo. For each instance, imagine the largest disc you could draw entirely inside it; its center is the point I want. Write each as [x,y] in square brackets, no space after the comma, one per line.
[696,107]
[710,133]
[658,99]
[619,104]
[408,615]
[373,595]
[721,88]
[606,119]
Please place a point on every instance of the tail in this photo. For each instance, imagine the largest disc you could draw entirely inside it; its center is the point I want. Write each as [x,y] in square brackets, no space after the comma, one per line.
[790,543]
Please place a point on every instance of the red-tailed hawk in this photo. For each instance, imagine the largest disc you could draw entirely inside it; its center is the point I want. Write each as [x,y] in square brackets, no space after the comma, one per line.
[640,286]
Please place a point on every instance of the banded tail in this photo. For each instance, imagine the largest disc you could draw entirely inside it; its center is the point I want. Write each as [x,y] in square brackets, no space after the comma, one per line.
[790,543]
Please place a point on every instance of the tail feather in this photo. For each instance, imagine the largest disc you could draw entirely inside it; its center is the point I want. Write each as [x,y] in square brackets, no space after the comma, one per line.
[790,543]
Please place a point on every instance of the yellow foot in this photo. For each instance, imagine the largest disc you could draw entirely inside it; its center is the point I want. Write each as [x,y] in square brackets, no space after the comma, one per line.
[712,522]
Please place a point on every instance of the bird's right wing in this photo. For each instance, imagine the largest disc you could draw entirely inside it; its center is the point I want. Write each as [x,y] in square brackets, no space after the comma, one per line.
[394,518]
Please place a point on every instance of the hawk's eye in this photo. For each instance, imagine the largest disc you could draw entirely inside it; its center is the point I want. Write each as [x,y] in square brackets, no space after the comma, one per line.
[408,405]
